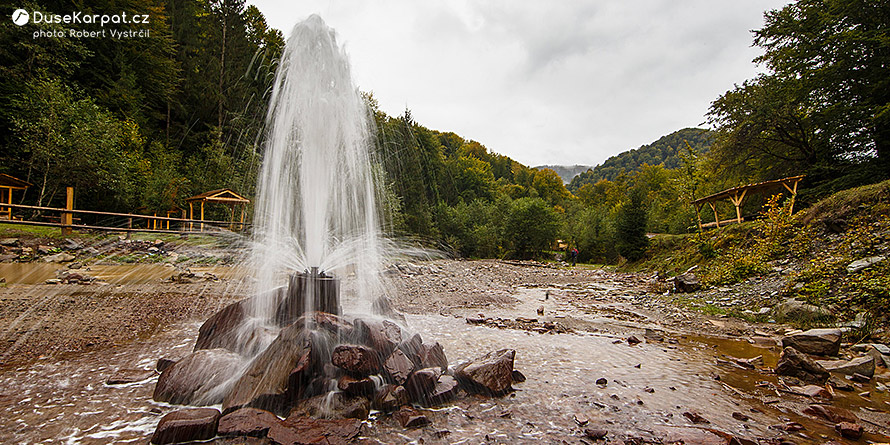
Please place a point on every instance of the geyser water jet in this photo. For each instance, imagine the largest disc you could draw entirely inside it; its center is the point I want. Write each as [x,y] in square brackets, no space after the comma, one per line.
[316,215]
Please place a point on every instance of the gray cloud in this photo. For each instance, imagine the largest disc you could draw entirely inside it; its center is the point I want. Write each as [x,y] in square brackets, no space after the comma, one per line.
[570,82]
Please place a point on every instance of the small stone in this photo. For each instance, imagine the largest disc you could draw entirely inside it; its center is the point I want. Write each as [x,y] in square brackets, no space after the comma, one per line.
[411,418]
[832,414]
[849,430]
[815,341]
[740,416]
[602,381]
[793,363]
[595,434]
[859,378]
[356,386]
[124,376]
[695,417]
[633,340]
[518,377]
[164,363]
[422,383]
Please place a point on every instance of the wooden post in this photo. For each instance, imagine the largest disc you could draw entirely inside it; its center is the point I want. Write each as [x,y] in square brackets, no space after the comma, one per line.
[191,216]
[129,227]
[202,215]
[67,217]
[793,190]
[737,201]
[716,217]
[242,216]
[8,210]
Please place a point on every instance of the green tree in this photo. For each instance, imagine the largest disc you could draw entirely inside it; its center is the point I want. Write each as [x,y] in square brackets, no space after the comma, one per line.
[531,227]
[630,226]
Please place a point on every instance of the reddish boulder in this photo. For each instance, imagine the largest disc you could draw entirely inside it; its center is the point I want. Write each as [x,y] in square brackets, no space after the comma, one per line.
[267,382]
[793,363]
[398,367]
[357,387]
[198,379]
[382,336]
[186,425]
[305,430]
[334,405]
[446,389]
[433,355]
[491,374]
[356,359]
[422,383]
[246,422]
[390,398]
[815,341]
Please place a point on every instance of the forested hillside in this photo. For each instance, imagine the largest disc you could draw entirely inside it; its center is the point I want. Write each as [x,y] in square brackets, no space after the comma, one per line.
[665,151]
[136,123]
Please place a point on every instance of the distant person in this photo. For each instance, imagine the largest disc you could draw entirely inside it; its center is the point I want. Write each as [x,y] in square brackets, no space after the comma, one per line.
[574,256]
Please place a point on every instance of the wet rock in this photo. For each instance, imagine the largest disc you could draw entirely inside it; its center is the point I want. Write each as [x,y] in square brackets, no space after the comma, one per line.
[794,364]
[814,391]
[382,336]
[518,377]
[446,389]
[653,335]
[356,359]
[9,242]
[413,349]
[740,416]
[220,330]
[124,376]
[840,384]
[356,386]
[492,373]
[422,383]
[70,244]
[815,341]
[686,282]
[859,378]
[59,258]
[433,356]
[201,378]
[695,417]
[832,414]
[186,425]
[633,340]
[410,418]
[277,371]
[398,367]
[163,364]
[861,365]
[849,430]
[390,398]
[45,250]
[304,430]
[595,433]
[251,422]
[335,405]
[602,382]
[763,341]
[864,263]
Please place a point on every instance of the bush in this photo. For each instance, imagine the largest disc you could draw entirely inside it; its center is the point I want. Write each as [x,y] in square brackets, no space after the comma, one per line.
[531,227]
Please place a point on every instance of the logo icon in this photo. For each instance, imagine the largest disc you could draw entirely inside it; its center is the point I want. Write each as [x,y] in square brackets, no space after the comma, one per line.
[20,17]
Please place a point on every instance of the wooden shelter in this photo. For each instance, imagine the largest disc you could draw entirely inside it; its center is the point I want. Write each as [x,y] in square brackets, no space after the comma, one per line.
[7,185]
[221,196]
[737,195]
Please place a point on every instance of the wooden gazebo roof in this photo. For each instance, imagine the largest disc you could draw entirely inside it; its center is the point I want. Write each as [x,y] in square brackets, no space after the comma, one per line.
[737,194]
[788,183]
[11,182]
[226,196]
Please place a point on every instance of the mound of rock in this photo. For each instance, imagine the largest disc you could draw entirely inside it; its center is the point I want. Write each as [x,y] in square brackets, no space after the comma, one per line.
[325,368]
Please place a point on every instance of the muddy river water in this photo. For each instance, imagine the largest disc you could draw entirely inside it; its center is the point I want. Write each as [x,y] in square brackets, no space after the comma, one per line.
[649,387]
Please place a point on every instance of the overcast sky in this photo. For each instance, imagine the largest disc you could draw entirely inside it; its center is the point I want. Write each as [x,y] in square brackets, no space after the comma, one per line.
[570,82]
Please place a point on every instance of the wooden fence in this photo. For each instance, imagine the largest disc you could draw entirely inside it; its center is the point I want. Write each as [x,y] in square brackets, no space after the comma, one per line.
[67,224]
